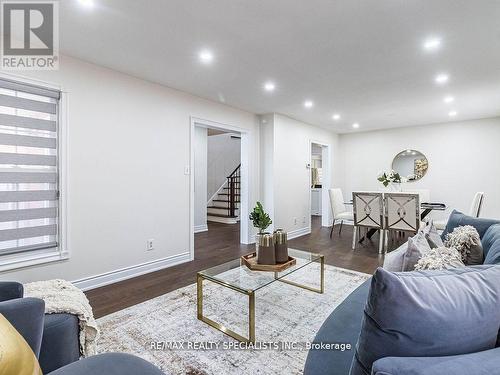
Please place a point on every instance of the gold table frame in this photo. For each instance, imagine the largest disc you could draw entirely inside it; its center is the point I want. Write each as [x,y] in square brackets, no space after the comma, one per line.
[251,299]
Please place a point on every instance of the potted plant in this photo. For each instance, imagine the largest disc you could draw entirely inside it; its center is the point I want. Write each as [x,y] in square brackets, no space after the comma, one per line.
[264,243]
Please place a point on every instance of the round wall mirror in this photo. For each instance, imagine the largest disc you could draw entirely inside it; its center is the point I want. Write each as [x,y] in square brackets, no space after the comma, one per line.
[411,164]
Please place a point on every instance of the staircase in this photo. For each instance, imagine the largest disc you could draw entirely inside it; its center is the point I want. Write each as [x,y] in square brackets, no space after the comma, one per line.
[224,208]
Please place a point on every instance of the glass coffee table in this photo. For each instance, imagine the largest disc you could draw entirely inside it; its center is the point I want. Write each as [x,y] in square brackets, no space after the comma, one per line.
[243,280]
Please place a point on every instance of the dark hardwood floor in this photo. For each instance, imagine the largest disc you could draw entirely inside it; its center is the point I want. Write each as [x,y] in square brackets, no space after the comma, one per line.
[221,244]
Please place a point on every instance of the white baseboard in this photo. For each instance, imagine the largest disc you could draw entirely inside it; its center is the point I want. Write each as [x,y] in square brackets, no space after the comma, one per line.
[298,233]
[115,276]
[200,228]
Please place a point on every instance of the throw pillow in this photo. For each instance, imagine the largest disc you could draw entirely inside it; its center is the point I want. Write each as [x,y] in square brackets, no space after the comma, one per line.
[417,246]
[491,245]
[441,258]
[457,219]
[482,363]
[432,236]
[429,314]
[393,260]
[16,356]
[466,240]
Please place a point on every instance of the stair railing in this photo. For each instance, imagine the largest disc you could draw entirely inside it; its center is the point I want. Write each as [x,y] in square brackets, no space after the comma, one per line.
[233,184]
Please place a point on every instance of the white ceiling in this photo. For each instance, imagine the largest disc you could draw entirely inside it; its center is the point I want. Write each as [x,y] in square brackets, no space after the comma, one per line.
[363,59]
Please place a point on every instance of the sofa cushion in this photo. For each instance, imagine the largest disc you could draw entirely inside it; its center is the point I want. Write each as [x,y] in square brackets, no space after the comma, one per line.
[458,219]
[491,245]
[482,363]
[429,313]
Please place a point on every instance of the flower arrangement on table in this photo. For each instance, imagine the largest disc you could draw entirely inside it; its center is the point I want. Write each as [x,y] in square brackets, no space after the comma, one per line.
[391,177]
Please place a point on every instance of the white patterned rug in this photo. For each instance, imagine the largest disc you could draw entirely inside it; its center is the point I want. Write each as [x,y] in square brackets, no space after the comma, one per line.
[284,313]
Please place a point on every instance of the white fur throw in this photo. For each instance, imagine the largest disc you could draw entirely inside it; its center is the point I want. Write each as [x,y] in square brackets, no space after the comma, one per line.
[463,238]
[440,258]
[61,296]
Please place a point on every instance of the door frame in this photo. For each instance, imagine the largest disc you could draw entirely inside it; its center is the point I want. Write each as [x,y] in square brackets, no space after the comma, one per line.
[326,166]
[244,176]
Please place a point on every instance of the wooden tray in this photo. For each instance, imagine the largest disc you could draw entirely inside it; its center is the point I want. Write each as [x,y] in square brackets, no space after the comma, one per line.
[250,260]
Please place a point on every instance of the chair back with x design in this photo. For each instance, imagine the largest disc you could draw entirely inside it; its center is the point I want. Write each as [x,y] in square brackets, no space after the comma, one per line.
[368,209]
[402,211]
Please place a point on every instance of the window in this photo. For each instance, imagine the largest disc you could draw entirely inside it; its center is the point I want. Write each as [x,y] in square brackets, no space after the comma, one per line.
[29,169]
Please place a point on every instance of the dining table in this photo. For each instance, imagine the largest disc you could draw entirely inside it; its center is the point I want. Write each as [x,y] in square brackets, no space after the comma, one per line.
[425,209]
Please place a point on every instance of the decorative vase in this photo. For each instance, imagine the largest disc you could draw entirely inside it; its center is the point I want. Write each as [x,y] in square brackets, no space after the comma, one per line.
[396,187]
[280,246]
[264,246]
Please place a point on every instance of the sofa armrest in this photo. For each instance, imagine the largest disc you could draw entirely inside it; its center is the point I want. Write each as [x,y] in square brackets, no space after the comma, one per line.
[10,290]
[27,317]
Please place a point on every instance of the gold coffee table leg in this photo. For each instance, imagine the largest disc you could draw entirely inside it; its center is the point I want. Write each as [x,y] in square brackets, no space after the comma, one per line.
[321,289]
[221,327]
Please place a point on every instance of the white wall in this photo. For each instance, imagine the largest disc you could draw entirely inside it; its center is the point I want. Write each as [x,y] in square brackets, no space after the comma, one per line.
[200,179]
[129,143]
[290,183]
[224,155]
[463,158]
[267,163]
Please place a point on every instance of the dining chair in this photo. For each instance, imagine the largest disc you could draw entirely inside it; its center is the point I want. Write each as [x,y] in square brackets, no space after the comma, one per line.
[368,212]
[474,210]
[402,214]
[477,204]
[339,210]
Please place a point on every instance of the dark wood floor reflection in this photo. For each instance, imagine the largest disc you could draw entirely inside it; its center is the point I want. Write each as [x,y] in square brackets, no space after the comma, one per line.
[221,244]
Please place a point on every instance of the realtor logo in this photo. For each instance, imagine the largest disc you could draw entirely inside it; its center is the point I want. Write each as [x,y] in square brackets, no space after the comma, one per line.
[30,35]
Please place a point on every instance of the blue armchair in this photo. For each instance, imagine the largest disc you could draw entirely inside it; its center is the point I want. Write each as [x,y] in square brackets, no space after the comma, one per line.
[54,339]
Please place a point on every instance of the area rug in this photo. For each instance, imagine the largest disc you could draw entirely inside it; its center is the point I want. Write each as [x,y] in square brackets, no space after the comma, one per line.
[165,330]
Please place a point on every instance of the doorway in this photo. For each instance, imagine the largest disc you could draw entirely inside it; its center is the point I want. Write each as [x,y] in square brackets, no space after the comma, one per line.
[320,183]
[219,184]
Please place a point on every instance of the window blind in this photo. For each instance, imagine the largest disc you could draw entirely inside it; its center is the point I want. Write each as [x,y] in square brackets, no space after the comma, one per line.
[29,175]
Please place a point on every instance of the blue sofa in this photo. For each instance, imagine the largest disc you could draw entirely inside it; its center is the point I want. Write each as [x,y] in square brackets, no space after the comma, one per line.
[344,324]
[54,339]
[59,345]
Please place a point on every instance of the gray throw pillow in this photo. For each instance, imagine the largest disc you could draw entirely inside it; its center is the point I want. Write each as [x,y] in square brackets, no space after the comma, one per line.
[429,314]
[417,246]
[466,240]
[481,363]
[393,261]
[440,258]
[432,236]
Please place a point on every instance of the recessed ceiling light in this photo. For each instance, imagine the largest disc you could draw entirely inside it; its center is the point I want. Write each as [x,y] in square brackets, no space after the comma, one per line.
[87,3]
[452,113]
[206,56]
[336,117]
[448,99]
[441,79]
[269,86]
[308,104]
[355,125]
[432,44]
